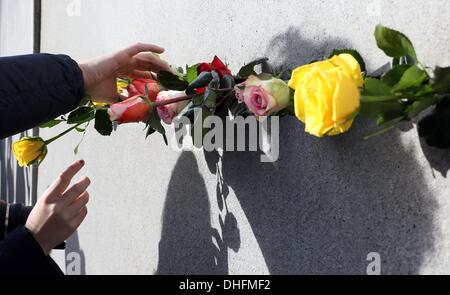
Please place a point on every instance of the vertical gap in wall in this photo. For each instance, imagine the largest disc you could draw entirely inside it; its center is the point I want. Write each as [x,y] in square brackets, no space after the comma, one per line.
[36,49]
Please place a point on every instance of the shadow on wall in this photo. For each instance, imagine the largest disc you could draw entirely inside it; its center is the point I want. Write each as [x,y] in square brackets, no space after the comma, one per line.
[15,182]
[186,245]
[320,209]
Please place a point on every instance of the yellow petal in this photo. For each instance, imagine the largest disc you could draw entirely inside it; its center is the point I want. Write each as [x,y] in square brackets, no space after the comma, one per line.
[350,65]
[299,104]
[299,73]
[346,98]
[341,128]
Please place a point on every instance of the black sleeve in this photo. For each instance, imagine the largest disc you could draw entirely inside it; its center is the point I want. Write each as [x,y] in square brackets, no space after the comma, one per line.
[20,254]
[35,89]
[17,215]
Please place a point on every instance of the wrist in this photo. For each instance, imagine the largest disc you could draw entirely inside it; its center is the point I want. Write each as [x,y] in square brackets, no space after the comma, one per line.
[39,239]
[88,76]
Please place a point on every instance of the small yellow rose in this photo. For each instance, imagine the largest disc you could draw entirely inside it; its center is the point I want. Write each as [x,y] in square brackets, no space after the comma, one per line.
[327,94]
[29,150]
[122,85]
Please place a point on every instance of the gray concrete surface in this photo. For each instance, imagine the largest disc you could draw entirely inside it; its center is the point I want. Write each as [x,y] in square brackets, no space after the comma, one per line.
[320,209]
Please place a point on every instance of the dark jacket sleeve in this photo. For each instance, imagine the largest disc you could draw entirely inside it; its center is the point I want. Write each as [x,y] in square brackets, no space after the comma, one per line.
[17,215]
[21,254]
[35,89]
[19,251]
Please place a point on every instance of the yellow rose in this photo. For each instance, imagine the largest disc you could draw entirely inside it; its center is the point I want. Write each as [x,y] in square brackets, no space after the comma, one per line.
[327,94]
[29,150]
[122,85]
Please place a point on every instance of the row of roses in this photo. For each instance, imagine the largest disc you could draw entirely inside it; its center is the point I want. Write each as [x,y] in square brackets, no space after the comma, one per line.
[326,95]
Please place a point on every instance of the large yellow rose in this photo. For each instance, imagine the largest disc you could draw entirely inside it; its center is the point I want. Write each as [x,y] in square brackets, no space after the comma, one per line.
[29,150]
[327,94]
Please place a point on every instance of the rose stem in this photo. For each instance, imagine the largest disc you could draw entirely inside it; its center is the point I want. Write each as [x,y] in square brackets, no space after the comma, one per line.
[47,142]
[183,98]
[173,100]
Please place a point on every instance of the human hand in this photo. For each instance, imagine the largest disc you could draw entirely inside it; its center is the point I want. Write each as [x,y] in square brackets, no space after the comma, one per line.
[137,61]
[60,211]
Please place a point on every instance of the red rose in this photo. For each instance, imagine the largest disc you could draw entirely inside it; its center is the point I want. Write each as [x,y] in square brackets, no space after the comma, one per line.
[216,65]
[137,87]
[132,110]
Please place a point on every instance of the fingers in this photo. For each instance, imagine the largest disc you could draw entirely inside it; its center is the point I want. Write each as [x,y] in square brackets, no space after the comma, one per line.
[79,204]
[150,62]
[136,74]
[64,179]
[142,47]
[78,219]
[76,190]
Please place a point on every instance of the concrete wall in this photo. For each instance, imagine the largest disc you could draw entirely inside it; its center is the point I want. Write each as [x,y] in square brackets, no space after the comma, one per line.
[320,209]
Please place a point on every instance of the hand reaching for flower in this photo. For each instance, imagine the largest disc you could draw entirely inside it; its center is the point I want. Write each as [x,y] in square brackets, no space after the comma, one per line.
[138,61]
[60,211]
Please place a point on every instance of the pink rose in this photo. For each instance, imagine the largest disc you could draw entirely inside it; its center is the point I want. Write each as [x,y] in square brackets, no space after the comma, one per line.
[132,110]
[264,97]
[168,112]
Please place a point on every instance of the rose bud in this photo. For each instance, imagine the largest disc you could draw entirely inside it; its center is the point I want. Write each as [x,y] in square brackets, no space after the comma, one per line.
[327,94]
[132,110]
[137,87]
[264,97]
[29,150]
[216,65]
[168,112]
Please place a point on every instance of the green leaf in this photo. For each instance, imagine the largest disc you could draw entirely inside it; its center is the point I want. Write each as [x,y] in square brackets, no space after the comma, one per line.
[352,52]
[249,69]
[378,98]
[375,87]
[441,82]
[210,99]
[386,127]
[197,100]
[227,82]
[393,76]
[414,76]
[51,123]
[155,123]
[201,81]
[387,116]
[81,115]
[424,90]
[177,70]
[103,124]
[172,81]
[191,73]
[421,105]
[377,109]
[150,131]
[394,43]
